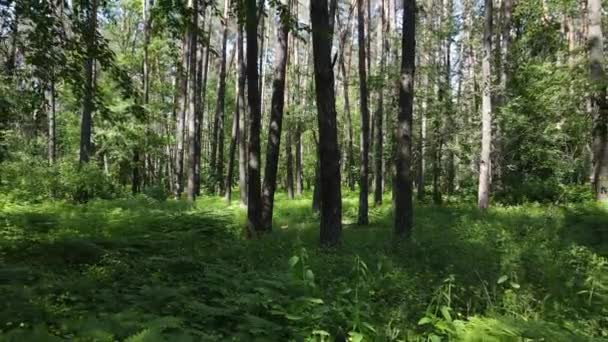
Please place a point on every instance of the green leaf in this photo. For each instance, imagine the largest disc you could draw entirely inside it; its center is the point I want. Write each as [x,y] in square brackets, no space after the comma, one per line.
[293,260]
[502,279]
[424,320]
[445,311]
[355,336]
[515,285]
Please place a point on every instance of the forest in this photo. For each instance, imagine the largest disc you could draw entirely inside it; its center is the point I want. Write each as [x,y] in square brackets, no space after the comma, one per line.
[314,170]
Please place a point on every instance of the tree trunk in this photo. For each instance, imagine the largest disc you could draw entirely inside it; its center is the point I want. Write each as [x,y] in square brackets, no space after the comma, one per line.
[52,147]
[289,165]
[403,209]
[599,105]
[242,132]
[485,167]
[202,62]
[378,174]
[182,107]
[363,97]
[299,172]
[218,167]
[193,112]
[88,103]
[276,122]
[254,222]
[329,156]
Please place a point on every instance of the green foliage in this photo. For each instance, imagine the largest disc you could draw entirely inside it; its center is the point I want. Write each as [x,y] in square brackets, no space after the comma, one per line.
[139,269]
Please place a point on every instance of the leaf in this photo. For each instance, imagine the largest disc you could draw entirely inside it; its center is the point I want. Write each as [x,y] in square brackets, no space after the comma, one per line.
[445,311]
[293,260]
[434,338]
[310,276]
[355,336]
[502,279]
[424,320]
[293,317]
[315,300]
[515,285]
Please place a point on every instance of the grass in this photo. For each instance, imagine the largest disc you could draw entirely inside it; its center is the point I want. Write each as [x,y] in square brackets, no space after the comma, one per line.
[141,270]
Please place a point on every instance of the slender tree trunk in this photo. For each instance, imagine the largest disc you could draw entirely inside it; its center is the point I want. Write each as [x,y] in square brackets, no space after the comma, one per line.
[289,165]
[254,205]
[52,147]
[232,153]
[242,132]
[201,92]
[403,209]
[182,107]
[299,172]
[218,167]
[276,122]
[485,167]
[88,103]
[329,156]
[598,101]
[422,141]
[379,147]
[363,97]
[146,85]
[193,113]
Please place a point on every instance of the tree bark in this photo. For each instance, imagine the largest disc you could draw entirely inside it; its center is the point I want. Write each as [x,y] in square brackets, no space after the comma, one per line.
[182,108]
[598,101]
[276,122]
[254,222]
[299,172]
[52,139]
[363,97]
[378,174]
[403,209]
[329,157]
[202,62]
[218,167]
[193,112]
[242,132]
[485,167]
[88,103]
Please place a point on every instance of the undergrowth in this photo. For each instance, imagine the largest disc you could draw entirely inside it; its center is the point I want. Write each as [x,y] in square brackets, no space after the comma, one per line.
[140,269]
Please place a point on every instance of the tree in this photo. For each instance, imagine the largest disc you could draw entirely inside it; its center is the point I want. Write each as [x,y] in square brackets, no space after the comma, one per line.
[379,133]
[600,106]
[363,97]
[485,167]
[88,101]
[254,222]
[193,112]
[217,149]
[276,118]
[330,193]
[242,114]
[403,209]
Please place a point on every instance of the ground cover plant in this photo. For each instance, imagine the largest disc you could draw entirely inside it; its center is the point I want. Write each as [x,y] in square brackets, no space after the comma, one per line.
[139,269]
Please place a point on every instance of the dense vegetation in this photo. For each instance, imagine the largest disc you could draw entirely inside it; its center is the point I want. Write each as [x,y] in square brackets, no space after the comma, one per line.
[144,270]
[283,170]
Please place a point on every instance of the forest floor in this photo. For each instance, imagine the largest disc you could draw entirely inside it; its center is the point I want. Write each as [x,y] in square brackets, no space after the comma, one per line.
[142,270]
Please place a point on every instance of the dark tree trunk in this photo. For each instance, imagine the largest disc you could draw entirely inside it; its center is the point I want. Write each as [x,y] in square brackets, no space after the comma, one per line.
[379,144]
[242,132]
[276,122]
[363,97]
[329,156]
[218,167]
[88,103]
[232,152]
[403,209]
[254,205]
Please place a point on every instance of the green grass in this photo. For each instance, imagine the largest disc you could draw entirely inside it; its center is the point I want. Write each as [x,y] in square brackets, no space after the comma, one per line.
[141,270]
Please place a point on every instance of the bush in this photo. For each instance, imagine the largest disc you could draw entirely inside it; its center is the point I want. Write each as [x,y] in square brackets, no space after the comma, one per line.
[33,180]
